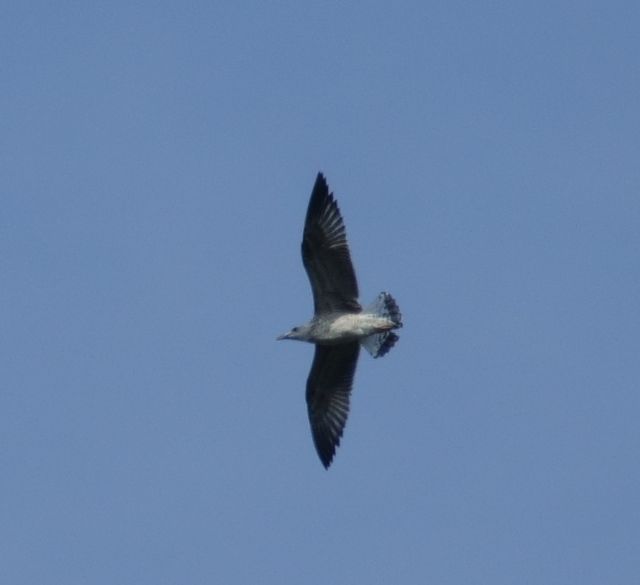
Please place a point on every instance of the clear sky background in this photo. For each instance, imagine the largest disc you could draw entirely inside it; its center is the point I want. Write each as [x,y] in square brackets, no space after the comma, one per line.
[155,167]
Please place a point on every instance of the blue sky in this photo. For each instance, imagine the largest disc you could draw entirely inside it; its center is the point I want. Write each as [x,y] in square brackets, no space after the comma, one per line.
[156,163]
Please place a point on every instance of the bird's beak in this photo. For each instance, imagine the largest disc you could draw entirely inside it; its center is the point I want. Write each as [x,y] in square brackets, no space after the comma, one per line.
[283,336]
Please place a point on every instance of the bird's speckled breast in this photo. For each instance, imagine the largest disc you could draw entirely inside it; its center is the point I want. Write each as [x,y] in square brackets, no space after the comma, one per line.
[341,328]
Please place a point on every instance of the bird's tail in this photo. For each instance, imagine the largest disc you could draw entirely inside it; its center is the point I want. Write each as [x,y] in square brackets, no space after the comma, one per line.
[385,306]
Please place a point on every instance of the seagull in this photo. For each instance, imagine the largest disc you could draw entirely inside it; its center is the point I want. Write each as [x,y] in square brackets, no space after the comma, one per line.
[339,325]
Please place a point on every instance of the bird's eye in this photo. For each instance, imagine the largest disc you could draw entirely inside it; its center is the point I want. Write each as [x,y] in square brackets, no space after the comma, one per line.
[295,329]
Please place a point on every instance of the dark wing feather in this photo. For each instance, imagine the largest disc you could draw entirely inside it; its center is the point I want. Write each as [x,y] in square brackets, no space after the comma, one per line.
[325,254]
[328,391]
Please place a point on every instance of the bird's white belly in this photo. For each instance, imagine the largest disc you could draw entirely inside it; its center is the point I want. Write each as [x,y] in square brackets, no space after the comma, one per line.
[354,326]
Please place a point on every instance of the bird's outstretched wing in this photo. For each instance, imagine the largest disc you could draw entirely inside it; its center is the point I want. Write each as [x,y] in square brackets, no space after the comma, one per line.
[328,391]
[325,254]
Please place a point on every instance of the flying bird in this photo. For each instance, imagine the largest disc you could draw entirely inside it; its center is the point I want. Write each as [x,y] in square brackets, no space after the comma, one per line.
[339,325]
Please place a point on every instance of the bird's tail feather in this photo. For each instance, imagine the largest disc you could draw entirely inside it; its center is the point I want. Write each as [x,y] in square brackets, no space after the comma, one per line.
[379,344]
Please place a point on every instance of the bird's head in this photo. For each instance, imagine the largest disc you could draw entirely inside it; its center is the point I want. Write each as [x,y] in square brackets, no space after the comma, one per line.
[301,332]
